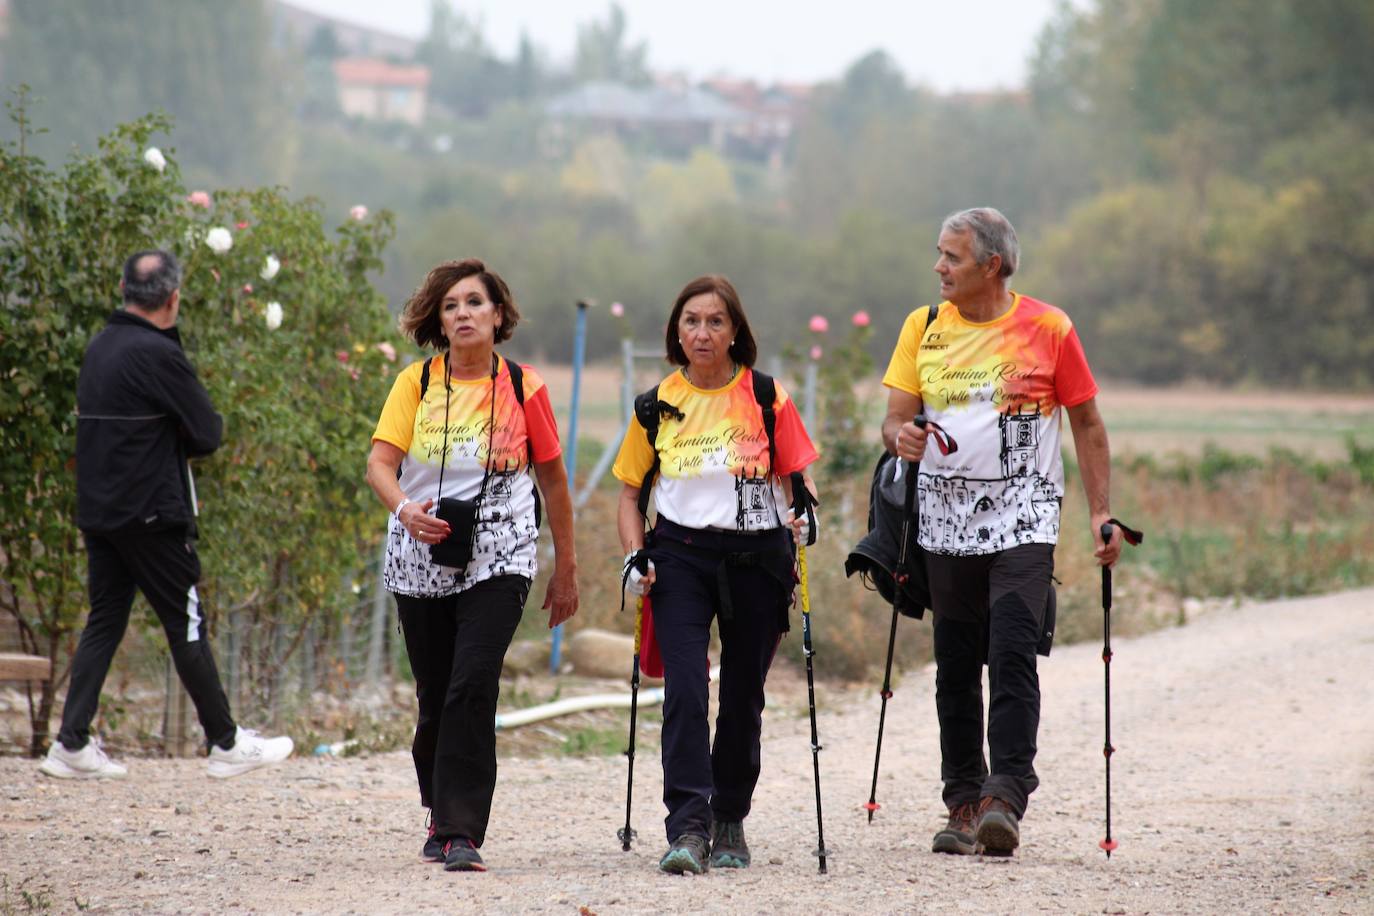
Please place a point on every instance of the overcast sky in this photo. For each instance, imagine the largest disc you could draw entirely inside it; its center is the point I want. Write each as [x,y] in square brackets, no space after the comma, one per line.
[943,44]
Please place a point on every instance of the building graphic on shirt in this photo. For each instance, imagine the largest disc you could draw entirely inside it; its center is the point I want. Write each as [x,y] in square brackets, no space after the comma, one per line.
[970,515]
[754,504]
[1020,434]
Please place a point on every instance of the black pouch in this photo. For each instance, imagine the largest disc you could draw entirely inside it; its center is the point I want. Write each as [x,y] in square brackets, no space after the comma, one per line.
[456,549]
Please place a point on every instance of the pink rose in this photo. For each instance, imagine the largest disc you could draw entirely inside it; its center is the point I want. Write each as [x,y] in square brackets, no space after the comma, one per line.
[358,212]
[241,224]
[248,287]
[861,319]
[617,310]
[816,352]
[818,324]
[341,356]
[388,351]
[199,199]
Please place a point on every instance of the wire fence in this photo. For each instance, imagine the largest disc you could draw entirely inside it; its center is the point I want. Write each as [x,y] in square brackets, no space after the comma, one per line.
[286,672]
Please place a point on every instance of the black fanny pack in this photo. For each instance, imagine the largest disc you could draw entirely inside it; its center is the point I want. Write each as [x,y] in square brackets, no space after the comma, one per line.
[461,515]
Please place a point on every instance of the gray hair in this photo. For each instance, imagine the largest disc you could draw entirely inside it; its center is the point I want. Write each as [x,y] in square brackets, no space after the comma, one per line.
[992,235]
[149,286]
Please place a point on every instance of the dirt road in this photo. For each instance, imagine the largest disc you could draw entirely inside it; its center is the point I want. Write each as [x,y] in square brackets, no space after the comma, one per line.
[1243,782]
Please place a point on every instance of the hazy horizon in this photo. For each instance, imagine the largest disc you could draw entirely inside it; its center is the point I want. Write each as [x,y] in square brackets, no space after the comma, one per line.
[949,48]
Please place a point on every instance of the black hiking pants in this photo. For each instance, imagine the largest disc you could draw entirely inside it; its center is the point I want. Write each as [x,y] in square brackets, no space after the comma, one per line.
[705,782]
[457,645]
[164,566]
[989,610]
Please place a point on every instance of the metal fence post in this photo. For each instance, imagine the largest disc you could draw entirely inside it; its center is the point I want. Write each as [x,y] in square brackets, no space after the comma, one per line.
[570,453]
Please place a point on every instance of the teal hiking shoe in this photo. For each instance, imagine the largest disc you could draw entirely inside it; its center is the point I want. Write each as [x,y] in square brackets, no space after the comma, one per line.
[728,849]
[687,855]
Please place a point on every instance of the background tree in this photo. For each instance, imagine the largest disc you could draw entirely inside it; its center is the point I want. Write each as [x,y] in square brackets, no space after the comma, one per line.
[207,64]
[603,52]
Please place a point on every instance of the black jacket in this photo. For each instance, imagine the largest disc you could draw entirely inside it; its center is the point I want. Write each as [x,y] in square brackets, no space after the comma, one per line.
[875,556]
[142,412]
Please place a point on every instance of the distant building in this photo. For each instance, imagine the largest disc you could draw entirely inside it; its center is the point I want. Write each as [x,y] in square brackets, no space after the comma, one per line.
[773,114]
[375,90]
[672,119]
[295,27]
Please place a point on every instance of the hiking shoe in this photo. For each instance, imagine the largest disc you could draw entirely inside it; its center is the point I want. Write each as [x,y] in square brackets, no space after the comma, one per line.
[88,763]
[728,849]
[249,752]
[687,854]
[434,846]
[957,837]
[461,855]
[999,830]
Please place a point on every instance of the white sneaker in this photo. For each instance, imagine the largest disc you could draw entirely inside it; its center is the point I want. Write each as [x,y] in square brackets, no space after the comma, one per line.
[249,752]
[88,763]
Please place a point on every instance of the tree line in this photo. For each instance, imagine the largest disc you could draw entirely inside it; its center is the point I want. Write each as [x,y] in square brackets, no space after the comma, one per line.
[1189,178]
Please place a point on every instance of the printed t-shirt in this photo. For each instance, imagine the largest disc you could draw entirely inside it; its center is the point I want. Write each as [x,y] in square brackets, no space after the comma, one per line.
[996,387]
[506,531]
[714,470]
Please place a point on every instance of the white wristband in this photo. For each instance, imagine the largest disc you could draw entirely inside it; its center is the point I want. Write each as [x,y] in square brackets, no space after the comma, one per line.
[405,501]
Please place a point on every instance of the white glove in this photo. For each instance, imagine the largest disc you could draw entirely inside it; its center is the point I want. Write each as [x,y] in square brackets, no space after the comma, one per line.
[803,531]
[636,584]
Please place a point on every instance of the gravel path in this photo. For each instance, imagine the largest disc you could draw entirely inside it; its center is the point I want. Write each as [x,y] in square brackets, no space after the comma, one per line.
[1243,782]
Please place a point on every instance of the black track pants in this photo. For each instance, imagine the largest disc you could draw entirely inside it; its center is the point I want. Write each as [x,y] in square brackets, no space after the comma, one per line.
[457,645]
[162,565]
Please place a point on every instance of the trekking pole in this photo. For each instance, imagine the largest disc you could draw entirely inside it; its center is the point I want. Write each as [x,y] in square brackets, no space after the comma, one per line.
[900,577]
[627,833]
[1132,537]
[1108,844]
[809,652]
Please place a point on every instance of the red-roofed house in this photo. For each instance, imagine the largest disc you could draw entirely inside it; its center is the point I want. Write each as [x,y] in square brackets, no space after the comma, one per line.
[380,91]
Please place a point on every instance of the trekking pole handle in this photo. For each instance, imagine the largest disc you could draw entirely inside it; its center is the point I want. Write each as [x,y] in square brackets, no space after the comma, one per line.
[1106,532]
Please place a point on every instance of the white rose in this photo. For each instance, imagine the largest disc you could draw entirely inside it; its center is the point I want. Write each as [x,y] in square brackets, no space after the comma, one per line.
[270,267]
[273,316]
[219,240]
[153,156]
[358,212]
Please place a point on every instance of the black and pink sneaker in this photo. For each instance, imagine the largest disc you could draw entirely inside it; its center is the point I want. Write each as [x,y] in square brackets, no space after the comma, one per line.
[460,854]
[434,846]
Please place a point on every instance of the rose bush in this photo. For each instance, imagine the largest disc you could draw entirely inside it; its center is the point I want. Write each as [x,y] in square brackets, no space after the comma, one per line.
[285,520]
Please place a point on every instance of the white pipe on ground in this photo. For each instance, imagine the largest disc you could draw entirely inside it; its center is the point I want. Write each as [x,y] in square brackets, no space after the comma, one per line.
[651,696]
[647,697]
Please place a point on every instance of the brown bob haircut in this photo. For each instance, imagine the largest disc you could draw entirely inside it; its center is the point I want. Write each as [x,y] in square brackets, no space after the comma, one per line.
[420,317]
[744,350]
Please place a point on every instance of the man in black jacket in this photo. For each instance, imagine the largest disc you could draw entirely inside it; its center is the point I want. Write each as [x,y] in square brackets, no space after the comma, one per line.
[142,414]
